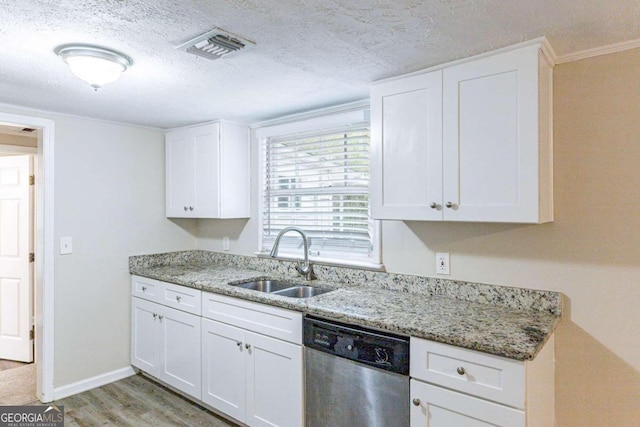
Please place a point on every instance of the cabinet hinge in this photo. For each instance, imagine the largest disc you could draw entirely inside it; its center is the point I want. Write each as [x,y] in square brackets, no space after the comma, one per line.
[32,257]
[32,333]
[32,180]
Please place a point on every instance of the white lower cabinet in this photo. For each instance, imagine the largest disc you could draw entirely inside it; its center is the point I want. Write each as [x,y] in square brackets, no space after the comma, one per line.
[252,366]
[251,377]
[453,386]
[438,407]
[165,343]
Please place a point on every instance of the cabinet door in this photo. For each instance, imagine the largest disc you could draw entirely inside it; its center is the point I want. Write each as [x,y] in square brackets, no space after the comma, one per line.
[180,173]
[438,407]
[206,183]
[180,351]
[406,148]
[145,336]
[274,382]
[224,368]
[490,132]
[234,171]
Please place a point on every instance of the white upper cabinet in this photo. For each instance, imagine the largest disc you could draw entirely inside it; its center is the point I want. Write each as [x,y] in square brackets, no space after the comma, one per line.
[469,142]
[207,171]
[406,149]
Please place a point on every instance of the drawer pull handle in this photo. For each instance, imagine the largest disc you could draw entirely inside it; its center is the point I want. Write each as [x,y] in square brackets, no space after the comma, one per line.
[144,288]
[460,370]
[178,298]
[416,402]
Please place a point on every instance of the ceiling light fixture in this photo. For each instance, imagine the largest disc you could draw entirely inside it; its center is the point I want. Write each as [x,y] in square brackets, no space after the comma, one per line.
[95,65]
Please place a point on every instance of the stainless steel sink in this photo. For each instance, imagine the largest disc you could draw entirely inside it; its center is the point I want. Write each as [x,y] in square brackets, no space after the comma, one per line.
[265,285]
[302,292]
[278,287]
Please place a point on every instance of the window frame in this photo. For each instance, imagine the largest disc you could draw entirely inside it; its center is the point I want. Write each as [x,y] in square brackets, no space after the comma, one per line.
[315,122]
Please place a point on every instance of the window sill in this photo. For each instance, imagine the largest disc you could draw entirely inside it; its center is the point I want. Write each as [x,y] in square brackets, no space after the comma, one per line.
[360,265]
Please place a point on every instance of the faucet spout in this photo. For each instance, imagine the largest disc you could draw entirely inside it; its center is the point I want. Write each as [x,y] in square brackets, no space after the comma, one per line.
[304,268]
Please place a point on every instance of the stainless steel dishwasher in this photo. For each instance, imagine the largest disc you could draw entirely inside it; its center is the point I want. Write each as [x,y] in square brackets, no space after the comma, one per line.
[354,376]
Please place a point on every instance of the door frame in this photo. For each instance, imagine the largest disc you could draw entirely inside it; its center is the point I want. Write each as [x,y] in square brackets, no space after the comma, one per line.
[44,249]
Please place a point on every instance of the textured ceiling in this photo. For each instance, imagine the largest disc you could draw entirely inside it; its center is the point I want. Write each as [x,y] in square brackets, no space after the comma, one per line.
[309,53]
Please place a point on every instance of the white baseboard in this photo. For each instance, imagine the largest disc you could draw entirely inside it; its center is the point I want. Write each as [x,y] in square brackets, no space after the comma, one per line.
[91,383]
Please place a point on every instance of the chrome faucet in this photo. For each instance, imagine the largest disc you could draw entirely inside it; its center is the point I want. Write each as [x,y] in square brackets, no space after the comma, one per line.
[305,268]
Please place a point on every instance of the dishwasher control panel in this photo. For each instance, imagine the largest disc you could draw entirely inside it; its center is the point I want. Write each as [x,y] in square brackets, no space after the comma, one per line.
[378,349]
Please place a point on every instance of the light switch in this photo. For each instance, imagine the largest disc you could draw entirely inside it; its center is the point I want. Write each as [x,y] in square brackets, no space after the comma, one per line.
[66,246]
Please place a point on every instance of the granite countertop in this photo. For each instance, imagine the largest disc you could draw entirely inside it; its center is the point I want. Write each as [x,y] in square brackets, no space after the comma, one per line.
[504,331]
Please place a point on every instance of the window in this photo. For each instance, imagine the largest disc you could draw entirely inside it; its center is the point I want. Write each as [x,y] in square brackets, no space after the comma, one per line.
[319,181]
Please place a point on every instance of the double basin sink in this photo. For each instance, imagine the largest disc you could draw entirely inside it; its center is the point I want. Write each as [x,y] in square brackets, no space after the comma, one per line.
[278,287]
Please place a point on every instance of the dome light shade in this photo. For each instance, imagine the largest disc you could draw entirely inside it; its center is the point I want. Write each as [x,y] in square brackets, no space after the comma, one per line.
[95,65]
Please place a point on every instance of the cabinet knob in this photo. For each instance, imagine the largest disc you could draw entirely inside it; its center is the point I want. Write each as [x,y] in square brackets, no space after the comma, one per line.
[178,298]
[155,315]
[160,317]
[247,346]
[190,208]
[186,208]
[460,370]
[239,344]
[449,205]
[433,205]
[416,402]
[144,288]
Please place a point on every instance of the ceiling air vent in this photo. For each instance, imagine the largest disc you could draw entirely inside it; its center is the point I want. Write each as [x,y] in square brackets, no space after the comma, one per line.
[215,44]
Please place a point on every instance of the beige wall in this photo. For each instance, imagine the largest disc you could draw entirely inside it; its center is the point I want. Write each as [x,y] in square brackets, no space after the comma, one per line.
[109,197]
[18,140]
[590,253]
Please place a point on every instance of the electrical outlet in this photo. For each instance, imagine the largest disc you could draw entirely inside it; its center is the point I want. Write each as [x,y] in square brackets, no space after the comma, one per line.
[442,263]
[225,243]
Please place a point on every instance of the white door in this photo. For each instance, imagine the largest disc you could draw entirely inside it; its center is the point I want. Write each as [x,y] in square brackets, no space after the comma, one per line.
[207,171]
[145,336]
[180,174]
[490,134]
[180,351]
[224,368]
[406,148]
[274,382]
[16,292]
[438,407]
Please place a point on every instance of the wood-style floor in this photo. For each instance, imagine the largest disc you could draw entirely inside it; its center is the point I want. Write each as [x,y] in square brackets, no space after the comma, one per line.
[9,364]
[137,402]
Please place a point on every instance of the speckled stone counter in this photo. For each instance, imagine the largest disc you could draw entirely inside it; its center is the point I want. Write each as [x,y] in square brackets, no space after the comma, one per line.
[498,326]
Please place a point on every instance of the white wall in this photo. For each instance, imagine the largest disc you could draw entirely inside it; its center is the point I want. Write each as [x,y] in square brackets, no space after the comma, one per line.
[590,253]
[109,197]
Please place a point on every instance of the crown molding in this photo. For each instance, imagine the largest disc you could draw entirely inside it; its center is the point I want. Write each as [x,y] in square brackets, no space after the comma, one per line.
[598,51]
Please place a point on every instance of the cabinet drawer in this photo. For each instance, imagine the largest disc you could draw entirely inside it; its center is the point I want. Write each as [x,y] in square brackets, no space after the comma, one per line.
[145,288]
[182,298]
[482,375]
[263,319]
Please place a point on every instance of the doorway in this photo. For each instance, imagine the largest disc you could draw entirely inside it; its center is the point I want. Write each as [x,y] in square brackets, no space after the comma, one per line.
[41,268]
[18,147]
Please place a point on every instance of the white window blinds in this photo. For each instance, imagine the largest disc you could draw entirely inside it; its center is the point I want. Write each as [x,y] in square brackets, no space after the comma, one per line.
[319,182]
